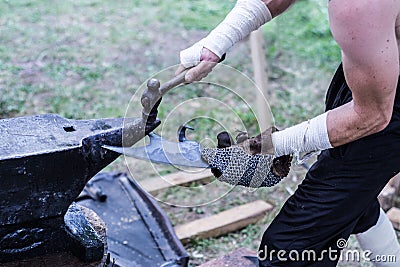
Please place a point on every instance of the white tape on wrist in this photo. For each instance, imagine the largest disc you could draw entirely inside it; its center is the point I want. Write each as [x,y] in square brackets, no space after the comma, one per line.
[245,17]
[308,136]
[191,56]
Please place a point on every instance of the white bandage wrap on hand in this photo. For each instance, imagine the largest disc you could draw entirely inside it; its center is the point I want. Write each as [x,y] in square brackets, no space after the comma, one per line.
[308,136]
[191,56]
[245,17]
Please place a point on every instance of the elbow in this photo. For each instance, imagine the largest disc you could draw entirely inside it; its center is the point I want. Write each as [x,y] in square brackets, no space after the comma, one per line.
[372,118]
[384,120]
[380,121]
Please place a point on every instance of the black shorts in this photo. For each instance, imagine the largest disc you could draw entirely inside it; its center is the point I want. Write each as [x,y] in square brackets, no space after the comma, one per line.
[338,196]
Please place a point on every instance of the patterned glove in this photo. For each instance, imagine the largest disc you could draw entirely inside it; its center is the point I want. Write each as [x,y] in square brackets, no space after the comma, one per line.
[243,164]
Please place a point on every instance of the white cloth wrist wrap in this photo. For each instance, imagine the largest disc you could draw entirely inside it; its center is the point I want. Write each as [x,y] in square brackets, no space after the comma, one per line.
[381,241]
[245,17]
[308,136]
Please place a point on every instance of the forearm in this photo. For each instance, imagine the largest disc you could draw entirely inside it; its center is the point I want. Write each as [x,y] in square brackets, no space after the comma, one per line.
[350,122]
[336,127]
[245,17]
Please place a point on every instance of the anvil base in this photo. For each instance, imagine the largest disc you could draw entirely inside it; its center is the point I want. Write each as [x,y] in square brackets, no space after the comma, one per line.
[73,233]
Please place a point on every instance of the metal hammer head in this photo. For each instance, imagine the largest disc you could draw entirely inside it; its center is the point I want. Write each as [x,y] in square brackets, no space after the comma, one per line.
[151,99]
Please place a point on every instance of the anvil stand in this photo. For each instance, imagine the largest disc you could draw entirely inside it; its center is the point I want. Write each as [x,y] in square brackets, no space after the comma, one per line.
[45,162]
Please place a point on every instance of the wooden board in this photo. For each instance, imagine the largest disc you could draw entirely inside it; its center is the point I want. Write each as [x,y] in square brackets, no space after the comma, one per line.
[261,78]
[224,222]
[154,185]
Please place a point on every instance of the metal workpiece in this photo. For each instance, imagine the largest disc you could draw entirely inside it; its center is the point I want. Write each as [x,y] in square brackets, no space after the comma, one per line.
[160,150]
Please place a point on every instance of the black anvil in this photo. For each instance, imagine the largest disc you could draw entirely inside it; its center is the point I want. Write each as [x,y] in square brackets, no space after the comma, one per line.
[45,162]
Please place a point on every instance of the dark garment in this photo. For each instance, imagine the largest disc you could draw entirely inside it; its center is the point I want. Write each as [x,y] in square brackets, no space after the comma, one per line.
[338,196]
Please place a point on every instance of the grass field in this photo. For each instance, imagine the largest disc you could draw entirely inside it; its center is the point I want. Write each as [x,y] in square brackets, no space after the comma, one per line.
[87,58]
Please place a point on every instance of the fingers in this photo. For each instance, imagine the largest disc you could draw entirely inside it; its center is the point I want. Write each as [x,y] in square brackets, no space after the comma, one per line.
[200,71]
[208,60]
[224,140]
[241,137]
[281,165]
[201,59]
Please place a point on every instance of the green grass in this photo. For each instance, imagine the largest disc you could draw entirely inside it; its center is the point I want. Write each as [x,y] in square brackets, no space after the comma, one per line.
[197,14]
[303,34]
[60,50]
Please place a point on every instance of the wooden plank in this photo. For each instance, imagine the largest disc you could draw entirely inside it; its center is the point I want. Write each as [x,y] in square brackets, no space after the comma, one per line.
[154,185]
[394,216]
[261,78]
[224,222]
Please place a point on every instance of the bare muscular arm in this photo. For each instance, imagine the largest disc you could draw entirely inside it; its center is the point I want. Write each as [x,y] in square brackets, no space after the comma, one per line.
[365,31]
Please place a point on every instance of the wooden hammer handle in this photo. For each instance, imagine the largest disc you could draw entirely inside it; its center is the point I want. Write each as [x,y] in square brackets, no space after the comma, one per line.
[177,80]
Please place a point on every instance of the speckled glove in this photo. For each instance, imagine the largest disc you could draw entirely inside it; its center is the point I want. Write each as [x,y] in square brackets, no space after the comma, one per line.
[243,164]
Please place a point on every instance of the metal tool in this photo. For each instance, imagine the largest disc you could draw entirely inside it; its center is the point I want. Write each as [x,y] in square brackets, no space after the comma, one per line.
[182,153]
[152,96]
[159,150]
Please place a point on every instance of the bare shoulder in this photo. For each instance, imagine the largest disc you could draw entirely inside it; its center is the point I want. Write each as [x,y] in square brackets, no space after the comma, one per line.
[361,25]
[348,9]
[366,32]
[362,15]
